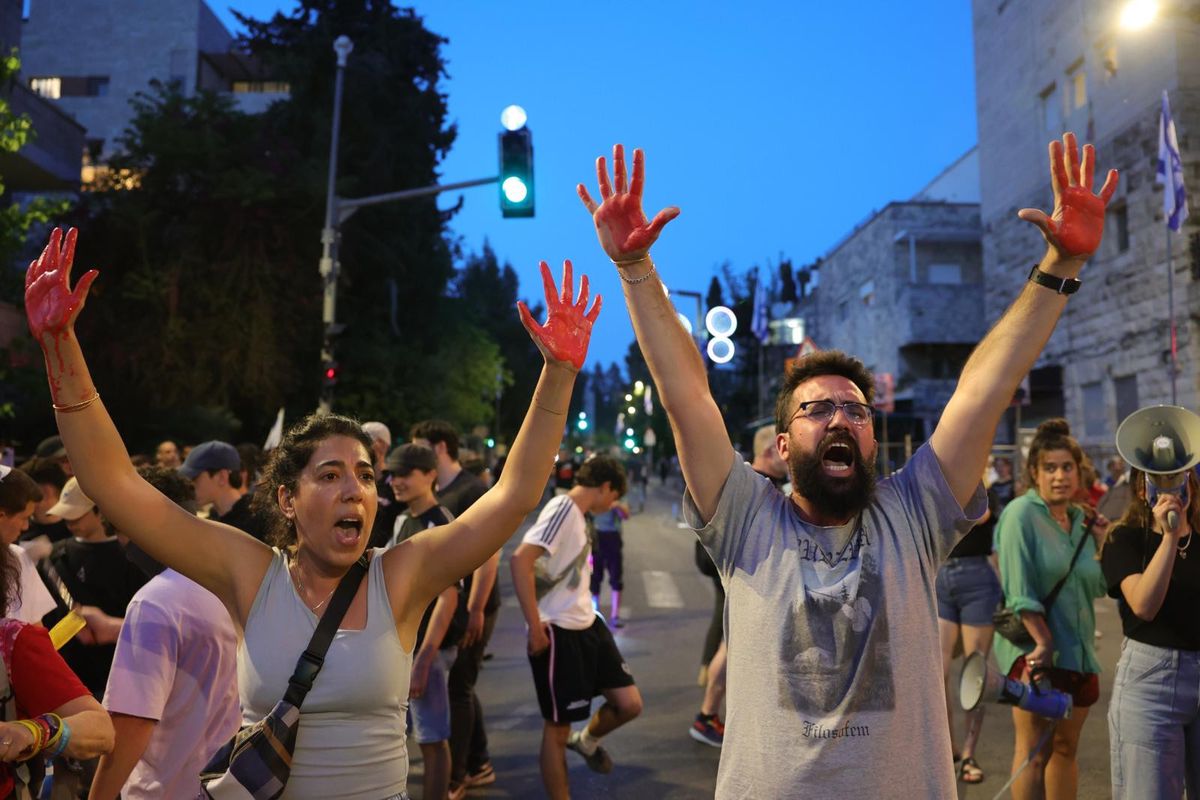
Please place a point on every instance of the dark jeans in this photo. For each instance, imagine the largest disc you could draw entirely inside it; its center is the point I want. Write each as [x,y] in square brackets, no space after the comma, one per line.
[468,739]
[607,557]
[716,626]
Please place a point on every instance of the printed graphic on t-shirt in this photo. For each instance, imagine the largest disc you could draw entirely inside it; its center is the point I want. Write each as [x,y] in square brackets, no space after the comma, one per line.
[838,630]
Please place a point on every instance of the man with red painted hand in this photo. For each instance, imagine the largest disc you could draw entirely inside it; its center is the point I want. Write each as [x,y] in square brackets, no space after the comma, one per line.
[834,680]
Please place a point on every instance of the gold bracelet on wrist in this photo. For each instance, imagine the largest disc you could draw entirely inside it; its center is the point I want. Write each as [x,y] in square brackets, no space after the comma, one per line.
[80,406]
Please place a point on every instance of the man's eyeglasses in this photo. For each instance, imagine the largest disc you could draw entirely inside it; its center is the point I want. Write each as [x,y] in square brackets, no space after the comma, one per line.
[823,411]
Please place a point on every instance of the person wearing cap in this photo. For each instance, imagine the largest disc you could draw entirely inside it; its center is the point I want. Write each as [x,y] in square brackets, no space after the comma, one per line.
[52,448]
[215,470]
[413,472]
[93,567]
[381,443]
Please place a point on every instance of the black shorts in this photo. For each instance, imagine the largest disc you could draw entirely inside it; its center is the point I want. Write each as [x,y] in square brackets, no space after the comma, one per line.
[577,666]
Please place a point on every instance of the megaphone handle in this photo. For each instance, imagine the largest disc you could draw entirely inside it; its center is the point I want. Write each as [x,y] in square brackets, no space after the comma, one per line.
[1172,519]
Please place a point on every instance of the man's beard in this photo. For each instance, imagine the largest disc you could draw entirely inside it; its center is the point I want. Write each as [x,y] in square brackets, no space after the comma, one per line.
[834,497]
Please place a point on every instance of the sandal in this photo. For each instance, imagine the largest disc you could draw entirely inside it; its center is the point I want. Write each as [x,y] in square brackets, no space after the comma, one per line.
[969,771]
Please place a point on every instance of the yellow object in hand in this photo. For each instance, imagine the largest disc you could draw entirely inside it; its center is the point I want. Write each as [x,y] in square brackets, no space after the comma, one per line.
[66,629]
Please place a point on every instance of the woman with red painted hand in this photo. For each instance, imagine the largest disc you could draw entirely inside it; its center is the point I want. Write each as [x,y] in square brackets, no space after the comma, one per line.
[1037,538]
[46,710]
[350,742]
[1154,715]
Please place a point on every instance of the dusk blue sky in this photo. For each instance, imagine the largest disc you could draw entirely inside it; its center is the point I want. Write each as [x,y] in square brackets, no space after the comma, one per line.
[775,126]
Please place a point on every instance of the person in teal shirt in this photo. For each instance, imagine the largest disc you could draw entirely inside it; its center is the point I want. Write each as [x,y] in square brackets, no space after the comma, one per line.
[1036,538]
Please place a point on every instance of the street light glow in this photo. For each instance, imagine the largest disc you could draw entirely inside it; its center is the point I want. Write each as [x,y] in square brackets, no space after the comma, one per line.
[720,321]
[515,189]
[720,350]
[684,321]
[632,410]
[513,118]
[1137,14]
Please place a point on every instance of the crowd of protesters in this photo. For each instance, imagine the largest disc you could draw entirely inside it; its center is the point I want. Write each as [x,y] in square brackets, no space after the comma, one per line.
[181,587]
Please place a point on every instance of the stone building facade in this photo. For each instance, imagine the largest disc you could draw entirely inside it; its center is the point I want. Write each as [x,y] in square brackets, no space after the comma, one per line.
[92,58]
[903,293]
[1046,66]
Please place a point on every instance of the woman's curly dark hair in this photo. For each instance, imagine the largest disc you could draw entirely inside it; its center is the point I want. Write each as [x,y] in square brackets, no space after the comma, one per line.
[288,460]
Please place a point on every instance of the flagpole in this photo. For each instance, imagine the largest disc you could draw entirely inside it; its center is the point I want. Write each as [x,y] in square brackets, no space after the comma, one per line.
[1173,368]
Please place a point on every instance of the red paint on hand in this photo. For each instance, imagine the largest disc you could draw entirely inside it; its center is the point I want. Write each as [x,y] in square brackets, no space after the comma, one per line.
[568,328]
[1076,226]
[50,305]
[621,225]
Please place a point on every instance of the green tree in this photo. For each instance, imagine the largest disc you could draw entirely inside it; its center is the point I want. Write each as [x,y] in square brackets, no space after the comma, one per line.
[207,234]
[23,393]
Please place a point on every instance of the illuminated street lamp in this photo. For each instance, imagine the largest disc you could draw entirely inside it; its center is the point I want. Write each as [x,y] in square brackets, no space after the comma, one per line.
[1137,14]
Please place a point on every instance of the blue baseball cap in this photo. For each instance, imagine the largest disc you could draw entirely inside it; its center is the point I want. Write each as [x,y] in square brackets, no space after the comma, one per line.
[209,456]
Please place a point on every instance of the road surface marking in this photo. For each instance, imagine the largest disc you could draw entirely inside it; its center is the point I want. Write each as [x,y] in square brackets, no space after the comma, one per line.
[661,591]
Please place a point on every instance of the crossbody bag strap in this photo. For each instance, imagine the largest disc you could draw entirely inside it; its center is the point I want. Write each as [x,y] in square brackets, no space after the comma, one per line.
[313,657]
[1050,598]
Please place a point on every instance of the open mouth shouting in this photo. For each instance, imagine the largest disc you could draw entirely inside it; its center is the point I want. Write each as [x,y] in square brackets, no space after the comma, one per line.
[837,459]
[348,530]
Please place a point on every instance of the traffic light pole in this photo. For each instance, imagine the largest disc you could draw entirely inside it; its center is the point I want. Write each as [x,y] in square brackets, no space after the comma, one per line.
[328,264]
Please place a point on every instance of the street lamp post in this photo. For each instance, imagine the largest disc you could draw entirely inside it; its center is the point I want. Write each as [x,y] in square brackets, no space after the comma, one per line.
[328,264]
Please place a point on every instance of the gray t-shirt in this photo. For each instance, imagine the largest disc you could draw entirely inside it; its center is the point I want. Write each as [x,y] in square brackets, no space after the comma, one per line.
[834,672]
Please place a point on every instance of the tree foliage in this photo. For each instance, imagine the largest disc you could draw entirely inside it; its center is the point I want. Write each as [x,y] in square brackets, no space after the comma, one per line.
[207,234]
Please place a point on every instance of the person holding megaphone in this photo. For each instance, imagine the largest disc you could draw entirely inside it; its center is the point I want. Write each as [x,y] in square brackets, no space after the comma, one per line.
[1154,715]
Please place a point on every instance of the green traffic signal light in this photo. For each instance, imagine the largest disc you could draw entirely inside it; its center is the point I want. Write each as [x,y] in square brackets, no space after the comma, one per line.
[516,173]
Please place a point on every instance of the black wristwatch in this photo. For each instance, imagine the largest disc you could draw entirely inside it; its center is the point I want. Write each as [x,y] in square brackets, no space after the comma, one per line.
[1059,285]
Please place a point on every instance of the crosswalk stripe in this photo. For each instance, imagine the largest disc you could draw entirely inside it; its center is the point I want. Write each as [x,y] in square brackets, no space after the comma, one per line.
[661,591]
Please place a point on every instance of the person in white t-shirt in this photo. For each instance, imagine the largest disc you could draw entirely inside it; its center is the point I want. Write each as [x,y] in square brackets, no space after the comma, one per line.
[18,497]
[571,651]
[172,689]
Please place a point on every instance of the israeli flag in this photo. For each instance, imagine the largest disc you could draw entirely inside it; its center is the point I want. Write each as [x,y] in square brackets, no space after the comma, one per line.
[758,322]
[1170,170]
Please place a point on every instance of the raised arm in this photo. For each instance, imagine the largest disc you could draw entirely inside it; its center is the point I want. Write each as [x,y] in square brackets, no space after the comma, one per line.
[964,436]
[678,370]
[227,562]
[444,554]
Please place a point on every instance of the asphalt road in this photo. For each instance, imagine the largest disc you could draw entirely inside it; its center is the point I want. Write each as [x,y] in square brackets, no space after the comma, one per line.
[667,605]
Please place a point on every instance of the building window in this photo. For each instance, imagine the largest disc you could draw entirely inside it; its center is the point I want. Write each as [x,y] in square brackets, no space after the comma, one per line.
[1095,420]
[1127,396]
[1076,86]
[1051,109]
[866,293]
[70,86]
[47,87]
[1120,223]
[261,87]
[944,273]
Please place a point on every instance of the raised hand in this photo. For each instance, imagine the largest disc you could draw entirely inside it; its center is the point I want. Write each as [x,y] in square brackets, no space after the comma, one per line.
[565,336]
[1073,231]
[621,225]
[50,305]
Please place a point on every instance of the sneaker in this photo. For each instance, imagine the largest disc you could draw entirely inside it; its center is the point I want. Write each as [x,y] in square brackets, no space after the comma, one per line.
[708,729]
[617,622]
[599,761]
[483,776]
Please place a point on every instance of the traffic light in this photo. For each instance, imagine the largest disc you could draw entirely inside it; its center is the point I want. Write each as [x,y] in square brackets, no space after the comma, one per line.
[330,374]
[516,173]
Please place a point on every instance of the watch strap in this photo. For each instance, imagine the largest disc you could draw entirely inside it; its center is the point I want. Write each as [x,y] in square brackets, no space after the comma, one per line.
[1059,285]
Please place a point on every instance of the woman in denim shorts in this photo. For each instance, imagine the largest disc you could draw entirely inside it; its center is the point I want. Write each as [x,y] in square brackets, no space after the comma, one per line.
[1154,716]
[967,594]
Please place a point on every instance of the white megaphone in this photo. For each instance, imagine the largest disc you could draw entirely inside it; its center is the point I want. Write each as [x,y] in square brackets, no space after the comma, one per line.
[978,682]
[1164,443]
